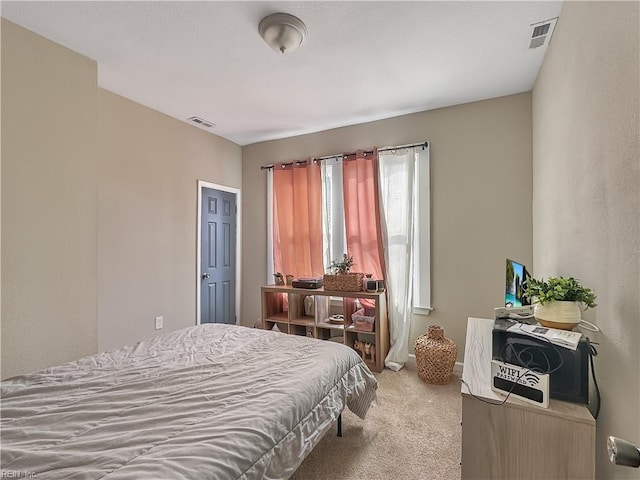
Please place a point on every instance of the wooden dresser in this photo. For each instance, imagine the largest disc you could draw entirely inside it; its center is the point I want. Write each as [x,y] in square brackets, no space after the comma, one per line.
[518,440]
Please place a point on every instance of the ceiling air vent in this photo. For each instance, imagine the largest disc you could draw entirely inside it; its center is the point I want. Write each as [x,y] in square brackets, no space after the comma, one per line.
[540,33]
[201,122]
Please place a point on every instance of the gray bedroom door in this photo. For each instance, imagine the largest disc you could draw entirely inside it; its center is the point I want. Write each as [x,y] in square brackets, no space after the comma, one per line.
[218,257]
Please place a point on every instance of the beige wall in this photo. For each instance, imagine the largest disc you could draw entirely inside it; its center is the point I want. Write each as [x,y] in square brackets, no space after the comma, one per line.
[48,203]
[586,199]
[481,201]
[1,375]
[147,206]
[99,202]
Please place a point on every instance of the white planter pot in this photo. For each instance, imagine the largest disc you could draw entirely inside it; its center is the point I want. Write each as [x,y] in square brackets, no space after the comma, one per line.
[562,315]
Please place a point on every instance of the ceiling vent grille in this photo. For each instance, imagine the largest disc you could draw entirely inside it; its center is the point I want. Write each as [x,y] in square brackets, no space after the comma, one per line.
[540,33]
[201,122]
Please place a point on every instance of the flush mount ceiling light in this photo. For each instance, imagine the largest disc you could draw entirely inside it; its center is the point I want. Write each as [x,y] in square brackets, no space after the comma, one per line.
[282,32]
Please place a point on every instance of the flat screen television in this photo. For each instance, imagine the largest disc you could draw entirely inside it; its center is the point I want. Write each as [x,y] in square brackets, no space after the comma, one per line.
[516,275]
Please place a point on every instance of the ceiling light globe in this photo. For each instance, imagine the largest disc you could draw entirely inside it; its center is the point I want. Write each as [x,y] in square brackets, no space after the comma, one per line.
[282,32]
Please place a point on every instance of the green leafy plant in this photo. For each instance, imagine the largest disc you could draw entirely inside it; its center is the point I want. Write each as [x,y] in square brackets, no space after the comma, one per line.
[343,265]
[559,289]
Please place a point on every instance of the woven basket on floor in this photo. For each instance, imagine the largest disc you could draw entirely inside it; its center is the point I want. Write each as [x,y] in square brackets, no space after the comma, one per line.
[435,356]
[344,282]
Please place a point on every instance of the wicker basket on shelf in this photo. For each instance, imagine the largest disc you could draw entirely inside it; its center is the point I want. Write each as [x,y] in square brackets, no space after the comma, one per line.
[344,282]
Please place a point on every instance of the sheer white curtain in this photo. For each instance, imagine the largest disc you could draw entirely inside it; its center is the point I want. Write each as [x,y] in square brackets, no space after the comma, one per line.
[397,180]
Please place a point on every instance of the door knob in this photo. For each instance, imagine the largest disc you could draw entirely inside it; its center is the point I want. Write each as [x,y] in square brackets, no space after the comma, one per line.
[622,452]
[205,276]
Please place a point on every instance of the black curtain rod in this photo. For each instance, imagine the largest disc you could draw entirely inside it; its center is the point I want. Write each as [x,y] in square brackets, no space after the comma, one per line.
[343,155]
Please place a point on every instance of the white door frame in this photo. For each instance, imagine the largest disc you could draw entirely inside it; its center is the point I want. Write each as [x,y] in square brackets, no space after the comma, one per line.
[215,186]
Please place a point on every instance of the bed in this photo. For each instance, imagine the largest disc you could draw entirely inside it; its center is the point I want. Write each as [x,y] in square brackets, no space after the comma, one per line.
[207,402]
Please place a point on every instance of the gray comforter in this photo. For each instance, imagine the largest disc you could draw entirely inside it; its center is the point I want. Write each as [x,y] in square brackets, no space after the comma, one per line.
[208,402]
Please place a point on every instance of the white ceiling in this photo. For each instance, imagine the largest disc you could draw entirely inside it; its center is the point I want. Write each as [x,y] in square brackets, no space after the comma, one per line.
[361,61]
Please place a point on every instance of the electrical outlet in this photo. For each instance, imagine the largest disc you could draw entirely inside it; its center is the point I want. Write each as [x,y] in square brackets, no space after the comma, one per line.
[159,323]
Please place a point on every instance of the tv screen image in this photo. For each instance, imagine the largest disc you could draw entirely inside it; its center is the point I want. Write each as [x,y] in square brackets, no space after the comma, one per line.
[516,274]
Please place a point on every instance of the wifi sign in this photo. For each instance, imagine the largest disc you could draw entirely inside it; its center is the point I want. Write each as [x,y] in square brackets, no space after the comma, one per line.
[513,381]
[531,378]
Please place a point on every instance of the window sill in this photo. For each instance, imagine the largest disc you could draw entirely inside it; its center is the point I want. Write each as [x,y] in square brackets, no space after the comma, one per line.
[424,311]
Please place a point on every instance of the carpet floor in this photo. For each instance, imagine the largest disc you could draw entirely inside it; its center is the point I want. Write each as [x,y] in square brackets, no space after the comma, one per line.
[413,433]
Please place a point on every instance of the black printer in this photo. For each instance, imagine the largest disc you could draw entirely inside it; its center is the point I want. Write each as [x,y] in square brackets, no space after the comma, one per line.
[569,369]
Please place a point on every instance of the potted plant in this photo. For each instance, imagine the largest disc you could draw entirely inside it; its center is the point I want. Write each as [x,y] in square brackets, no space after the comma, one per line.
[558,300]
[341,278]
[343,265]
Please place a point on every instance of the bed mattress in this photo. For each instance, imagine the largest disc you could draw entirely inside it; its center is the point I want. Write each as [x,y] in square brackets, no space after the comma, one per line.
[208,402]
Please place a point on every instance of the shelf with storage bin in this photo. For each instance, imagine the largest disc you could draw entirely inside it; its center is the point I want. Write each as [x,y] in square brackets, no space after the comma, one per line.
[284,306]
[297,311]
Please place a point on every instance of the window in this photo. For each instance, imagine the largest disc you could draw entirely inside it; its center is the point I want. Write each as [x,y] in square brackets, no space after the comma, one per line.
[422,235]
[334,236]
[334,232]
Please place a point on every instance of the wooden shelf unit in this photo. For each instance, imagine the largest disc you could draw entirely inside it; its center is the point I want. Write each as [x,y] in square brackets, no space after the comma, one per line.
[292,319]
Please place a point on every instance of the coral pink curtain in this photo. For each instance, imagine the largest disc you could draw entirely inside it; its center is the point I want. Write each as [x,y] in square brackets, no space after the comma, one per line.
[297,219]
[362,212]
[362,215]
